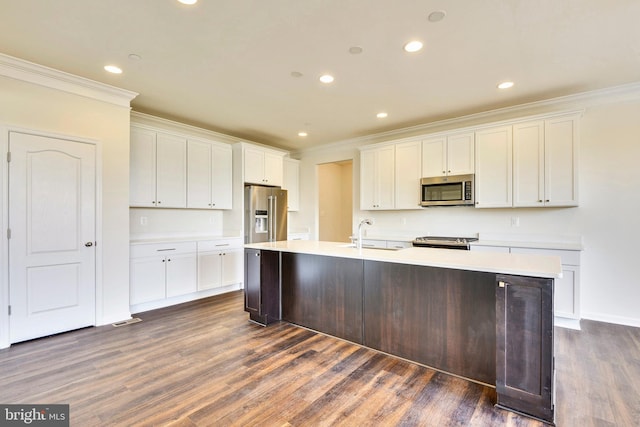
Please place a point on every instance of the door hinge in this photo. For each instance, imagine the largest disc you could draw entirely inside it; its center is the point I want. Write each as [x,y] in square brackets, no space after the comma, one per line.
[8,233]
[8,156]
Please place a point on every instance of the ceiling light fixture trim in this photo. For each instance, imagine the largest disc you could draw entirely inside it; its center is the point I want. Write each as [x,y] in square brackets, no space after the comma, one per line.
[413,46]
[326,78]
[113,69]
[505,85]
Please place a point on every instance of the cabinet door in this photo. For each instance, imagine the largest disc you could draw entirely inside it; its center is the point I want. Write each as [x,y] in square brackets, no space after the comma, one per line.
[209,270]
[199,175]
[385,178]
[231,266]
[367,179]
[561,161]
[408,171]
[147,279]
[181,274]
[291,183]
[273,165]
[252,281]
[566,293]
[528,164]
[434,157]
[221,175]
[142,184]
[493,168]
[253,166]
[460,158]
[524,345]
[171,171]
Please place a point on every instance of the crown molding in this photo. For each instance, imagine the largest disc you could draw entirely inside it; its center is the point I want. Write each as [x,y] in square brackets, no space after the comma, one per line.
[555,106]
[26,71]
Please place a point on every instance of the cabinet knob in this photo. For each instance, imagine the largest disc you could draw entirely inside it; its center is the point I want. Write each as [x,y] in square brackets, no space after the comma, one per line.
[547,200]
[539,201]
[159,202]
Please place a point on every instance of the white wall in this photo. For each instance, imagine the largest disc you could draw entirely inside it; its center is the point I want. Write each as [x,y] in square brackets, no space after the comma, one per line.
[36,107]
[606,218]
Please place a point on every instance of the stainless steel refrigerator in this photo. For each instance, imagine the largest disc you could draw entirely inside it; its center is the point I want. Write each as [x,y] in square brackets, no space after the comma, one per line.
[265,214]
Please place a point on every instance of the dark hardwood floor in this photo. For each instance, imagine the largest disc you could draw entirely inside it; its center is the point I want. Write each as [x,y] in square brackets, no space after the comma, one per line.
[202,363]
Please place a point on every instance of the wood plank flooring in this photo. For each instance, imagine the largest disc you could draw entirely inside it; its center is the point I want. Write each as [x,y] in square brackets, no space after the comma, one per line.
[203,364]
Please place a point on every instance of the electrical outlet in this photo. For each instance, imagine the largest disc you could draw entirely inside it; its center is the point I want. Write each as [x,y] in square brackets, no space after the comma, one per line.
[515,221]
[143,220]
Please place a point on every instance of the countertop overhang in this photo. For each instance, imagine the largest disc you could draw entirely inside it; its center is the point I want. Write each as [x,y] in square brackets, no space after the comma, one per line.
[506,263]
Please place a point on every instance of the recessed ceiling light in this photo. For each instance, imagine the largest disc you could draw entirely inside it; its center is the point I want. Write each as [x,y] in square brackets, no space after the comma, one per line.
[505,85]
[189,2]
[302,134]
[381,115]
[327,78]
[113,69]
[355,50]
[413,46]
[437,16]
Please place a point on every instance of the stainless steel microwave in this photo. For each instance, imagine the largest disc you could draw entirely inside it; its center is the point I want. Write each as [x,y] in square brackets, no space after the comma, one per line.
[455,190]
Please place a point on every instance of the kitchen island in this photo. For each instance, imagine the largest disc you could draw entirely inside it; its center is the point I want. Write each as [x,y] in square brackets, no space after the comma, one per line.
[484,317]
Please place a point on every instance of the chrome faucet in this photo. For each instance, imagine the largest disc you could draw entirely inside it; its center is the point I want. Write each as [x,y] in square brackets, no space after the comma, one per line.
[363,222]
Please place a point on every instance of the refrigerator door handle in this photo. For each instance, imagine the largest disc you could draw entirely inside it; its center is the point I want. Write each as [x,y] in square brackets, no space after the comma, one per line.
[270,221]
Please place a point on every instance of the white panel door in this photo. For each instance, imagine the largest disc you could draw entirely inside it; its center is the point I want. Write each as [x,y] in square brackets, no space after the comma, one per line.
[434,157]
[494,167]
[51,249]
[171,171]
[561,161]
[232,266]
[408,172]
[460,158]
[142,178]
[198,175]
[528,164]
[222,177]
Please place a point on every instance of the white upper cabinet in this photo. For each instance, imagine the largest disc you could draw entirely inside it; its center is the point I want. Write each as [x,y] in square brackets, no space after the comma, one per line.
[528,164]
[377,172]
[561,161]
[263,167]
[209,184]
[292,183]
[493,179]
[538,167]
[448,155]
[408,171]
[158,175]
[142,177]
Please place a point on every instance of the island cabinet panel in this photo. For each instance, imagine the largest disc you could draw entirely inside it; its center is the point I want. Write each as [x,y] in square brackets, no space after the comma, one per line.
[443,318]
[323,293]
[262,285]
[524,345]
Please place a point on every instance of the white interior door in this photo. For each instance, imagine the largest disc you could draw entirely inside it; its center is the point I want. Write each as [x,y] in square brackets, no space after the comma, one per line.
[52,223]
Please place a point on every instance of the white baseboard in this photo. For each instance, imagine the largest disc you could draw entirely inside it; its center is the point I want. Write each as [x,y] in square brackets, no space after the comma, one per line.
[152,305]
[563,322]
[607,318]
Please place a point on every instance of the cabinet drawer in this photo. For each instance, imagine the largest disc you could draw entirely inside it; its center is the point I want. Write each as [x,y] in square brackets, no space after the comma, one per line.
[397,244]
[142,250]
[369,243]
[216,245]
[567,257]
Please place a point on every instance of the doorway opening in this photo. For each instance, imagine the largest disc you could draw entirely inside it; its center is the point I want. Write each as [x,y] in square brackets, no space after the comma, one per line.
[335,201]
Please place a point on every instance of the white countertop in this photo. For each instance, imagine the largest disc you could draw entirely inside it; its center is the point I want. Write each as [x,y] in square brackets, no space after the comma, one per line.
[518,264]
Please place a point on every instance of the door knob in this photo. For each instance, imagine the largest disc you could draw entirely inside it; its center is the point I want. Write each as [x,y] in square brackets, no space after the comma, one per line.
[88,244]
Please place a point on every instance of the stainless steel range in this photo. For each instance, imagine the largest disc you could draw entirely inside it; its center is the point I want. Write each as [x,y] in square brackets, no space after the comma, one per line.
[461,243]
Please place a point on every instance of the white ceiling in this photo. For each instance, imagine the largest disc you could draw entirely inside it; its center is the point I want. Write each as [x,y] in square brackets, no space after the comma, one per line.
[226,65]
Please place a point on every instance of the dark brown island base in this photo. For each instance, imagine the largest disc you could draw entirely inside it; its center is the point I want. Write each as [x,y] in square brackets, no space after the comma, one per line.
[425,305]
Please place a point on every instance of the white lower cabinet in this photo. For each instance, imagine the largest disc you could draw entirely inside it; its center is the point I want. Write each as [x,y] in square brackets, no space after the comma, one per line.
[161,271]
[220,263]
[566,289]
[162,274]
